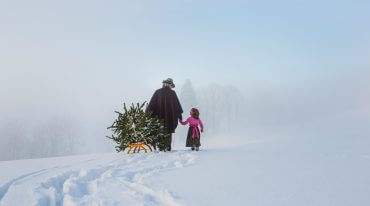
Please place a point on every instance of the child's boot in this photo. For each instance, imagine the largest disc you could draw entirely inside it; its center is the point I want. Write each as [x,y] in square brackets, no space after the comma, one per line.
[197,148]
[192,148]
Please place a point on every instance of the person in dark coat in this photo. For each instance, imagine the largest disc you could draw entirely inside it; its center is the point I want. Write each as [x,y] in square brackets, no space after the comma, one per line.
[166,106]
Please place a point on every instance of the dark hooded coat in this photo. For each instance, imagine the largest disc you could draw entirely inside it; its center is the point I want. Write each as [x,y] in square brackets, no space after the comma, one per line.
[166,106]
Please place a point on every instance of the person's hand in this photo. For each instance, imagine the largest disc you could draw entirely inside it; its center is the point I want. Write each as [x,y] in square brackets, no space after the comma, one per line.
[202,130]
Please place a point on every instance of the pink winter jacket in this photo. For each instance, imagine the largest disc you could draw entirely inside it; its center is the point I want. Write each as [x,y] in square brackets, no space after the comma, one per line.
[193,122]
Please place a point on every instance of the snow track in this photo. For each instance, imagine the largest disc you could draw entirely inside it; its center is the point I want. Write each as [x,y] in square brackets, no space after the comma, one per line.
[115,179]
[4,188]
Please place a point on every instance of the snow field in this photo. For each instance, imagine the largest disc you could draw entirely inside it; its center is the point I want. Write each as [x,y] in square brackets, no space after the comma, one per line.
[114,179]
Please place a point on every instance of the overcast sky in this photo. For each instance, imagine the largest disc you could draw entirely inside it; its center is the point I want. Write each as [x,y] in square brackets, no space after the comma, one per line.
[76,57]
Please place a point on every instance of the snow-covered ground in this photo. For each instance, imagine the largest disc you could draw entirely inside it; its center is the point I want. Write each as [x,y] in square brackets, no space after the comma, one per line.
[104,179]
[279,171]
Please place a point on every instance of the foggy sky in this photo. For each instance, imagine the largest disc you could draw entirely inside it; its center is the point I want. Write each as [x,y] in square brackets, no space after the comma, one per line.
[82,59]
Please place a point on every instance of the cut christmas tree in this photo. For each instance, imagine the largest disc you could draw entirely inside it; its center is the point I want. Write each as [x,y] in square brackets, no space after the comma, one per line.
[135,125]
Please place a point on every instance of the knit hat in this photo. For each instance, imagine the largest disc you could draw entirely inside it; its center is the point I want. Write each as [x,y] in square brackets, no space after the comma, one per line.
[169,81]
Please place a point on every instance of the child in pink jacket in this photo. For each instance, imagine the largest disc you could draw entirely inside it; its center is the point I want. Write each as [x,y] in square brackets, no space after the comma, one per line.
[193,138]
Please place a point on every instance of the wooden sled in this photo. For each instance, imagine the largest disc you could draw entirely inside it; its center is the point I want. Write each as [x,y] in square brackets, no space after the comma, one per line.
[137,147]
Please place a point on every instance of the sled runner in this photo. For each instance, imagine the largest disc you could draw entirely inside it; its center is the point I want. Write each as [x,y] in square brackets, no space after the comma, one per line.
[137,147]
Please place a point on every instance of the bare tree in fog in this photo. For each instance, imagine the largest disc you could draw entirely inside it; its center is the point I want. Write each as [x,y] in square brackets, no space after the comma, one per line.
[13,142]
[222,108]
[56,137]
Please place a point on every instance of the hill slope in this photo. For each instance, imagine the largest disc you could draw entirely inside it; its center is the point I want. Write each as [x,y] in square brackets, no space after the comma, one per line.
[283,171]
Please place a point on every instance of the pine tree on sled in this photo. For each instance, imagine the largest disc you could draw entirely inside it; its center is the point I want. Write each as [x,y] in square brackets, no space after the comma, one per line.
[135,130]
